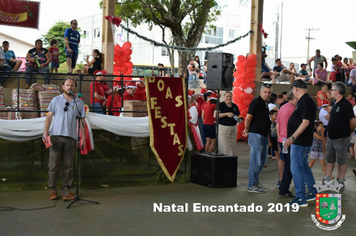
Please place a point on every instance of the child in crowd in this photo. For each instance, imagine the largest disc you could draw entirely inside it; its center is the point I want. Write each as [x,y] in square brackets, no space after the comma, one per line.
[273,139]
[351,98]
[334,69]
[95,62]
[317,147]
[209,123]
[54,51]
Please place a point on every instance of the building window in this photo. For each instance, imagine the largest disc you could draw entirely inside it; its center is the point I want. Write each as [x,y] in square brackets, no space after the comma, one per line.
[97,33]
[164,52]
[232,33]
[215,36]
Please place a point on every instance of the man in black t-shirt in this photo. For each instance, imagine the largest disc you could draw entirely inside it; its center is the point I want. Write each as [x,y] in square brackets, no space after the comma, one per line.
[257,126]
[341,123]
[300,131]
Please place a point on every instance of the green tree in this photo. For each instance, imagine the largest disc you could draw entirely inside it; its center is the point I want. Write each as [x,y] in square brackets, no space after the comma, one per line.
[186,20]
[57,32]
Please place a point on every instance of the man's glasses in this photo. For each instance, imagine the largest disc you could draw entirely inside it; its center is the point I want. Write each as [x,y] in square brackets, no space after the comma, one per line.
[66,108]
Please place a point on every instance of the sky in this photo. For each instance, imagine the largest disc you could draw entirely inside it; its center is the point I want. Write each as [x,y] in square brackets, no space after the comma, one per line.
[333,19]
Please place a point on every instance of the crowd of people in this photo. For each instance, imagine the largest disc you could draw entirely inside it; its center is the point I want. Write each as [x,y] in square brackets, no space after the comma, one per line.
[316,75]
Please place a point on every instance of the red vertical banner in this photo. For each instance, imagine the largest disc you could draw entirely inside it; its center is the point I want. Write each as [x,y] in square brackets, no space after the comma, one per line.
[19,13]
[166,103]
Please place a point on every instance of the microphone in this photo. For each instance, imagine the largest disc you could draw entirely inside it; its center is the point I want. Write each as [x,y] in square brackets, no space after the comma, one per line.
[71,92]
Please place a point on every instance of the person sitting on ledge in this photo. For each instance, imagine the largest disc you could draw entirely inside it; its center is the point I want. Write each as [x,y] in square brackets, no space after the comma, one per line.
[38,59]
[10,57]
[284,74]
[3,67]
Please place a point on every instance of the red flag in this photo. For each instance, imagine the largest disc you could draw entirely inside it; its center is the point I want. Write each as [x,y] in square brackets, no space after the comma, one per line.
[168,121]
[19,13]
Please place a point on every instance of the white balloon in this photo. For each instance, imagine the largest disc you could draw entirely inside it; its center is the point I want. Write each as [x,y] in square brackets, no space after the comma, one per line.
[248,90]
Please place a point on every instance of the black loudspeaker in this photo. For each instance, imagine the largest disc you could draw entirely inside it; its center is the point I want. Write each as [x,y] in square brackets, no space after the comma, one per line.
[214,171]
[220,70]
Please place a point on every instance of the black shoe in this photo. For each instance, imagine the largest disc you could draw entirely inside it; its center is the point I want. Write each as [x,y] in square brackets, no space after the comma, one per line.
[288,194]
[353,170]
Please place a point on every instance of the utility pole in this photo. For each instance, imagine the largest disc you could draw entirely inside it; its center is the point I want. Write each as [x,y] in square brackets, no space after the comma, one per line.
[276,44]
[280,47]
[309,38]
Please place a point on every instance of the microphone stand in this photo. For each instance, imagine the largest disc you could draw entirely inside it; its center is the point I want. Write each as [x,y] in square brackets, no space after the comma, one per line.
[80,120]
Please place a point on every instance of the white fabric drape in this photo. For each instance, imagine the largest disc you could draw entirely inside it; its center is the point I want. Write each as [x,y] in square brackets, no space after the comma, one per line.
[125,126]
[22,130]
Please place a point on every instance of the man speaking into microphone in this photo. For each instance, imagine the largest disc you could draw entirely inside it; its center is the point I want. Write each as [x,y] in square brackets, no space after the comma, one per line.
[62,114]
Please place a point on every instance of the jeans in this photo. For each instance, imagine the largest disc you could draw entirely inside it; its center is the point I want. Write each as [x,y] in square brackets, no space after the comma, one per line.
[301,171]
[193,77]
[258,158]
[287,175]
[4,69]
[44,71]
[98,108]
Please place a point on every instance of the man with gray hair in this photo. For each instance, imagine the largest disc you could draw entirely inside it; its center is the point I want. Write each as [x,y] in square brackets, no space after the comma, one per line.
[341,123]
[300,132]
[257,126]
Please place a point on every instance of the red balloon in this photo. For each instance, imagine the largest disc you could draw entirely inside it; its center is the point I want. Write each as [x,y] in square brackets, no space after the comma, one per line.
[244,95]
[247,63]
[126,45]
[240,80]
[128,64]
[251,96]
[123,69]
[236,74]
[240,70]
[244,112]
[241,58]
[243,85]
[118,63]
[237,90]
[246,102]
[125,58]
[127,52]
[252,85]
[252,57]
[119,52]
[129,71]
[245,75]
[236,84]
[239,63]
[249,70]
[253,64]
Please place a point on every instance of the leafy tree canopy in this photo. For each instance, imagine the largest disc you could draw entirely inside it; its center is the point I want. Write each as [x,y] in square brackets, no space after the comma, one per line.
[186,19]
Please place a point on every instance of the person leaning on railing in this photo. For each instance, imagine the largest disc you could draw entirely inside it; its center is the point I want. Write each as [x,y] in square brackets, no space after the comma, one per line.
[3,67]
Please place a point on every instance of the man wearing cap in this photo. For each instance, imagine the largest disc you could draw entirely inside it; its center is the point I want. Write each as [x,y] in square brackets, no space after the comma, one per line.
[113,103]
[97,94]
[257,126]
[300,132]
[140,93]
[342,122]
[130,91]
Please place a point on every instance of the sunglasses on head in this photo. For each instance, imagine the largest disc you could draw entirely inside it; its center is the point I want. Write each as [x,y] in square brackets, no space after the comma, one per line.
[66,108]
[267,85]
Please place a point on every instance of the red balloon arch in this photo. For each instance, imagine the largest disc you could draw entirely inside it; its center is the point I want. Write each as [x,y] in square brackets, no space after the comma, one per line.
[122,61]
[244,86]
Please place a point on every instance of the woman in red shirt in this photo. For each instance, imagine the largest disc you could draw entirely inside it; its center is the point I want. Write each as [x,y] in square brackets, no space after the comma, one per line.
[113,104]
[323,96]
[209,123]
